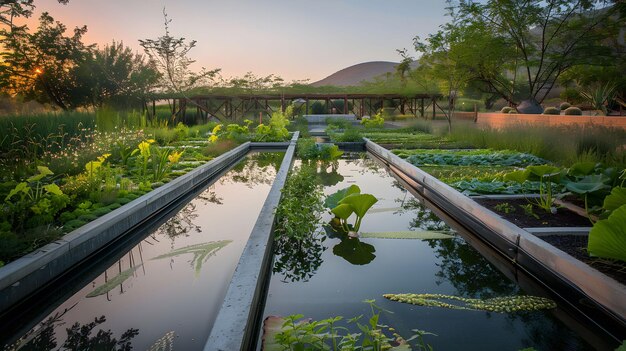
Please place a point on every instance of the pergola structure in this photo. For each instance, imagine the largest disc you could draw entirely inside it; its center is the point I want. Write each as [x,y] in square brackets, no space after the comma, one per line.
[234,107]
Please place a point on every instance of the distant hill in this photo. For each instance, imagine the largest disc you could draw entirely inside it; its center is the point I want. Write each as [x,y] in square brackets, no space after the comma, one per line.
[354,75]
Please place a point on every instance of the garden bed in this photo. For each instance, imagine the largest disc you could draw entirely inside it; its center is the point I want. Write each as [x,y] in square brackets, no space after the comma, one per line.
[576,246]
[518,211]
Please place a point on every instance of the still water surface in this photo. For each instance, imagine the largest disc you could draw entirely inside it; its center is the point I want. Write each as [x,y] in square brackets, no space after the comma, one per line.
[342,273]
[165,291]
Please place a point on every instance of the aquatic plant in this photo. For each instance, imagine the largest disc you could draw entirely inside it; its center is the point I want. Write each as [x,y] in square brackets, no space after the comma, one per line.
[347,201]
[113,282]
[296,333]
[201,253]
[498,304]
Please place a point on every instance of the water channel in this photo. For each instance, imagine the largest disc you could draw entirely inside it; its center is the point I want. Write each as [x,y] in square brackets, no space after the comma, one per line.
[343,272]
[164,290]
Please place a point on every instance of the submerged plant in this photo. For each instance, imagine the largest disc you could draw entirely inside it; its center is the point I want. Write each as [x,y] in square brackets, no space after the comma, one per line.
[201,253]
[113,282]
[498,304]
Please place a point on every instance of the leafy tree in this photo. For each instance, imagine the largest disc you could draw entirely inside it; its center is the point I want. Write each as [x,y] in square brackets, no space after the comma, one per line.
[116,76]
[169,56]
[41,65]
[544,39]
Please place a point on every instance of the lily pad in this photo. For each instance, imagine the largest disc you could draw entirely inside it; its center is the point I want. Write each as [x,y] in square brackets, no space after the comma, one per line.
[113,282]
[607,238]
[423,235]
[587,185]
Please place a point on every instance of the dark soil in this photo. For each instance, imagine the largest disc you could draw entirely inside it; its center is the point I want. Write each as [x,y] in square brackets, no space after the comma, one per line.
[576,246]
[518,216]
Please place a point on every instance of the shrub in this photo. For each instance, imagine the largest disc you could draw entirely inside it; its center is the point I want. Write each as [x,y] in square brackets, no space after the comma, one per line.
[564,106]
[551,111]
[573,111]
[507,109]
[512,111]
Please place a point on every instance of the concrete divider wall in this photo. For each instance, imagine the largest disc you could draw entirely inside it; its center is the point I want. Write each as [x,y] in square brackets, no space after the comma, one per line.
[519,245]
[236,326]
[21,277]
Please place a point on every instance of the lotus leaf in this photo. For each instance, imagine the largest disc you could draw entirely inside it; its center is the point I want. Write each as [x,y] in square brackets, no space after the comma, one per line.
[360,203]
[342,211]
[545,171]
[517,176]
[333,200]
[616,199]
[113,282]
[587,185]
[582,168]
[423,235]
[607,238]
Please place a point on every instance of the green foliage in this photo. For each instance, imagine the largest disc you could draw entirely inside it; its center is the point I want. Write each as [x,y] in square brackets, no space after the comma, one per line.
[477,187]
[601,96]
[573,111]
[349,135]
[294,333]
[552,111]
[505,207]
[375,121]
[469,158]
[308,149]
[507,304]
[345,202]
[421,235]
[299,211]
[607,238]
[564,106]
[507,109]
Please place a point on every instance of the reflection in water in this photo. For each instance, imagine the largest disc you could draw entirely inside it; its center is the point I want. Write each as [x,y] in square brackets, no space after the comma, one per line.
[79,337]
[355,251]
[201,253]
[425,219]
[260,168]
[473,276]
[297,259]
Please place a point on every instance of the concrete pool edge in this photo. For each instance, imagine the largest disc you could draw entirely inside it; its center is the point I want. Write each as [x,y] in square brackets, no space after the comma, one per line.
[31,272]
[241,307]
[516,244]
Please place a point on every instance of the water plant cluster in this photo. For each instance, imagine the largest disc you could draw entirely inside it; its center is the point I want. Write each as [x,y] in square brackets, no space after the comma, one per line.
[503,304]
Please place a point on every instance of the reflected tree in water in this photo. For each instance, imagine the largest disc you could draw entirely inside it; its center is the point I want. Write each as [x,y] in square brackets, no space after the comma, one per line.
[259,168]
[79,337]
[182,223]
[297,259]
[425,219]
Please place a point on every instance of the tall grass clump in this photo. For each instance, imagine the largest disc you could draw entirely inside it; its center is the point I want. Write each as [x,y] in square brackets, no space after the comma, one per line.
[563,145]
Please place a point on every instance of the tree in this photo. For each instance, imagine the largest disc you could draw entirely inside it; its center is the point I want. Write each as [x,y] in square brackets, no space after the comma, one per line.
[545,38]
[41,65]
[169,56]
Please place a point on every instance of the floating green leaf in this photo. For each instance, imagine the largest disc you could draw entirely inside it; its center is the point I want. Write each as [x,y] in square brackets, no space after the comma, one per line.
[201,252]
[113,282]
[423,235]
[385,209]
[607,238]
[616,199]
[333,200]
[498,304]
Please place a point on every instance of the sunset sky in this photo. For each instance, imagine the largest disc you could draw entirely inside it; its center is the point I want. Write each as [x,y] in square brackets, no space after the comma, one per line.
[294,39]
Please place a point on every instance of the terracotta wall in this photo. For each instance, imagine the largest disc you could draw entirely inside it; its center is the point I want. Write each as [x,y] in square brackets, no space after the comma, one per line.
[500,120]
